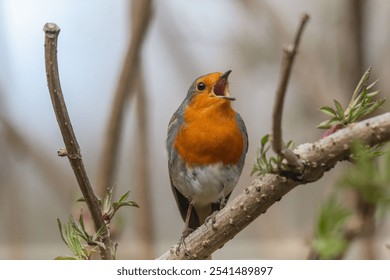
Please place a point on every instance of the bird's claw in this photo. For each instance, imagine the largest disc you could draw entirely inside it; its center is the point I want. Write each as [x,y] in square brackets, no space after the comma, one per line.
[182,242]
[213,218]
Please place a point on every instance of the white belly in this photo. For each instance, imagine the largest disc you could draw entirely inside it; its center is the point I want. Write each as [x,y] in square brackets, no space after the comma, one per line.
[208,184]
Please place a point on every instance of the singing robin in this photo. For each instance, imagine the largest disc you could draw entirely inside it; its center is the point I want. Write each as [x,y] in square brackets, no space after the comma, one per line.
[207,143]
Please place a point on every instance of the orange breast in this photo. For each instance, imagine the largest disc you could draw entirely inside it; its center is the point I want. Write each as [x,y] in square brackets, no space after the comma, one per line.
[210,133]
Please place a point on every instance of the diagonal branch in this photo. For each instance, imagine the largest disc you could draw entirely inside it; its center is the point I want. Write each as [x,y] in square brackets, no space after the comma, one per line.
[141,19]
[72,147]
[287,62]
[255,200]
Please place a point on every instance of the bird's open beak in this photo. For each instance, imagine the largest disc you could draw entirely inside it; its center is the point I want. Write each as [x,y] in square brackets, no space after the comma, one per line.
[221,87]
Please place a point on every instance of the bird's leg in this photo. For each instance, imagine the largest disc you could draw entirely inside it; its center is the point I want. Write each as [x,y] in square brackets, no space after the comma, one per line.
[186,232]
[213,216]
[222,203]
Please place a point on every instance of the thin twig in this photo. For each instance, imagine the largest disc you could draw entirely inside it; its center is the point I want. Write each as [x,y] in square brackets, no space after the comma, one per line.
[109,157]
[72,147]
[287,62]
[257,198]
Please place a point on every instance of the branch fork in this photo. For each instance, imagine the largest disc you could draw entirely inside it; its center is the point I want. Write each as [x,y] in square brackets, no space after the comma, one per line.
[278,146]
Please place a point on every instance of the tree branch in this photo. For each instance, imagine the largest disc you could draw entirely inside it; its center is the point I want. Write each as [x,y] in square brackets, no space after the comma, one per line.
[72,147]
[287,62]
[141,18]
[255,200]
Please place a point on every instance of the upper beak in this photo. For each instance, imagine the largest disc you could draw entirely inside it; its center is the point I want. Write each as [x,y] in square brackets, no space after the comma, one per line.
[221,86]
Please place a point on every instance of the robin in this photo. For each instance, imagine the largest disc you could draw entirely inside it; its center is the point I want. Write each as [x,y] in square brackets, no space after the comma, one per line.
[207,143]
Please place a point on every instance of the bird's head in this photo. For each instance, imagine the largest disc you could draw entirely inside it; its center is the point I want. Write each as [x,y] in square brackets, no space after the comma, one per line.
[210,89]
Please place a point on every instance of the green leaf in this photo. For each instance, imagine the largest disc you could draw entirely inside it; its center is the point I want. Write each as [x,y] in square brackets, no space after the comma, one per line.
[370,86]
[262,164]
[329,241]
[98,234]
[328,111]
[73,240]
[106,205]
[359,100]
[329,123]
[329,248]
[117,205]
[339,109]
[263,153]
[355,114]
[81,221]
[79,229]
[264,140]
[361,83]
[324,125]
[367,176]
[373,93]
[331,218]
[124,197]
[361,105]
[61,231]
[290,144]
[375,106]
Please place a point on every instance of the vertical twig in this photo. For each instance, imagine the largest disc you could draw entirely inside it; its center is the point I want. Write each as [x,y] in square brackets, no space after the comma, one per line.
[287,62]
[72,147]
[140,22]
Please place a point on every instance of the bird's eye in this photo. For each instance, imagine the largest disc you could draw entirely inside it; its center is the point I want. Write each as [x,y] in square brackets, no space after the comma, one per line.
[201,86]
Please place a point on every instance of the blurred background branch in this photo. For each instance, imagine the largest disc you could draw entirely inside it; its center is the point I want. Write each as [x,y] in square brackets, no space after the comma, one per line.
[49,168]
[140,19]
[145,220]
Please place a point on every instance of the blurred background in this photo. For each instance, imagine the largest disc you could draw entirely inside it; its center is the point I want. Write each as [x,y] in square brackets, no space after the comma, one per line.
[183,40]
